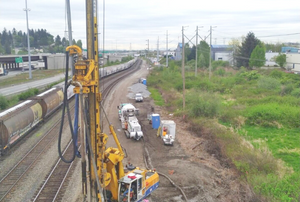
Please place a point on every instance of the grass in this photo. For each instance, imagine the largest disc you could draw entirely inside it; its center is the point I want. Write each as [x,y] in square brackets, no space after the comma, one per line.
[260,114]
[156,96]
[284,143]
[24,77]
[14,100]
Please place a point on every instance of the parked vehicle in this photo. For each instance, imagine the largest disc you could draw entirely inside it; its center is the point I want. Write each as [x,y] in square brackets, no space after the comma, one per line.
[138,97]
[167,131]
[120,107]
[3,71]
[130,123]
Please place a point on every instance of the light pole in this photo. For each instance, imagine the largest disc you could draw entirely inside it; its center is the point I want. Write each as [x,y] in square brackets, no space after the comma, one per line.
[148,47]
[167,59]
[28,42]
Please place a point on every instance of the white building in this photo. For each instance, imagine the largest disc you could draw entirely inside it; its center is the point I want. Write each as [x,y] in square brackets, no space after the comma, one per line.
[270,61]
[293,62]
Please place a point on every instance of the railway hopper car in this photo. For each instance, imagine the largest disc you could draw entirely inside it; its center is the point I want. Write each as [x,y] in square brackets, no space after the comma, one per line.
[102,72]
[17,121]
[20,119]
[50,100]
[70,92]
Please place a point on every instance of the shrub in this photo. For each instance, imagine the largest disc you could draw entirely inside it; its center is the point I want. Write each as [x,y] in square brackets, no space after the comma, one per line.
[268,83]
[270,114]
[203,104]
[251,75]
[219,63]
[220,72]
[296,92]
[3,102]
[276,74]
[287,89]
[28,93]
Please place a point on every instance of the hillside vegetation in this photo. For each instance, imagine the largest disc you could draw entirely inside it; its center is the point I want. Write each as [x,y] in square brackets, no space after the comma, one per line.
[254,115]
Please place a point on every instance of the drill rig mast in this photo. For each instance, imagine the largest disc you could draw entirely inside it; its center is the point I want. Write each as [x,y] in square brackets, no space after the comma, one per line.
[106,172]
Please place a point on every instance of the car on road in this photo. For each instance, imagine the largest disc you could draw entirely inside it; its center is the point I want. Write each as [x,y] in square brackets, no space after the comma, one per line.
[138,97]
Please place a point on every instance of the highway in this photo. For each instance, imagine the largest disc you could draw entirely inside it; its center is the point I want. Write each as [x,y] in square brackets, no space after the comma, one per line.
[12,90]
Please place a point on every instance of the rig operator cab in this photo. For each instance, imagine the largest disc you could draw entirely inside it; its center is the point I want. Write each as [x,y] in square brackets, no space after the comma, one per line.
[137,185]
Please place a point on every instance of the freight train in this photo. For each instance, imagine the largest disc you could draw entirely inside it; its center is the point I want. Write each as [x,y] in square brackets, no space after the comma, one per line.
[17,121]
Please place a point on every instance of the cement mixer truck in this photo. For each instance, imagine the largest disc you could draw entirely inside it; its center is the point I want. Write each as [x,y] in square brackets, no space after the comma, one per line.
[130,124]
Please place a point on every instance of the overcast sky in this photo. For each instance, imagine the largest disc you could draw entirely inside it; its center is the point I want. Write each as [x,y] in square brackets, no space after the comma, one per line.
[128,24]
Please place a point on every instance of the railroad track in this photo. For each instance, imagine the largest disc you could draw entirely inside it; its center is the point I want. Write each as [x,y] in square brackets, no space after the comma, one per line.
[51,190]
[9,182]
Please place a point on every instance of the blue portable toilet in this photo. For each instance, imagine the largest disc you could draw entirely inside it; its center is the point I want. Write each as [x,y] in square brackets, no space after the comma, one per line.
[145,82]
[155,121]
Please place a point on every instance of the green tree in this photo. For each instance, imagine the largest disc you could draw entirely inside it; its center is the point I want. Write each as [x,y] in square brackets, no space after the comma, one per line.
[57,40]
[201,61]
[187,51]
[7,48]
[258,57]
[1,48]
[192,54]
[79,43]
[244,52]
[64,42]
[203,54]
[281,60]
[274,47]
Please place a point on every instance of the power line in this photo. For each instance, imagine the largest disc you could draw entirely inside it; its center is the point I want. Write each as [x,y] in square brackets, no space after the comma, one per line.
[280,35]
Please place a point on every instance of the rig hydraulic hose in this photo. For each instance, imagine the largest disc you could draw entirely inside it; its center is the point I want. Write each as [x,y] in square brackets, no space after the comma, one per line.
[65,104]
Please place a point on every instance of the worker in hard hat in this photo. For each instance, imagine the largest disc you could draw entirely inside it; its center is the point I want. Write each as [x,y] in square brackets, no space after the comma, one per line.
[164,131]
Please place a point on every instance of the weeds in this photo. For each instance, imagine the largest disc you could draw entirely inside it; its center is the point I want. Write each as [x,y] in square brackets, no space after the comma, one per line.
[28,93]
[261,111]
[3,102]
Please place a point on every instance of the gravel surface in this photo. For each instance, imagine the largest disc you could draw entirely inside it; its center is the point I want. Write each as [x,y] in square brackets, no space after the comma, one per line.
[138,88]
[33,180]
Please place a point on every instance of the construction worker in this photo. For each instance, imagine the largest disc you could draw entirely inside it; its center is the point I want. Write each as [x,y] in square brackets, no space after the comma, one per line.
[126,193]
[164,131]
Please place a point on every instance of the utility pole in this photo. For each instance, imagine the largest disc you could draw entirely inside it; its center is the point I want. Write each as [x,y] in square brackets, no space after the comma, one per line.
[148,47]
[157,51]
[183,71]
[71,65]
[196,51]
[167,53]
[210,54]
[210,50]
[28,42]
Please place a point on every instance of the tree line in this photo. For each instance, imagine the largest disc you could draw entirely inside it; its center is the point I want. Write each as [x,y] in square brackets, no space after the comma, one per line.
[15,42]
[250,53]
